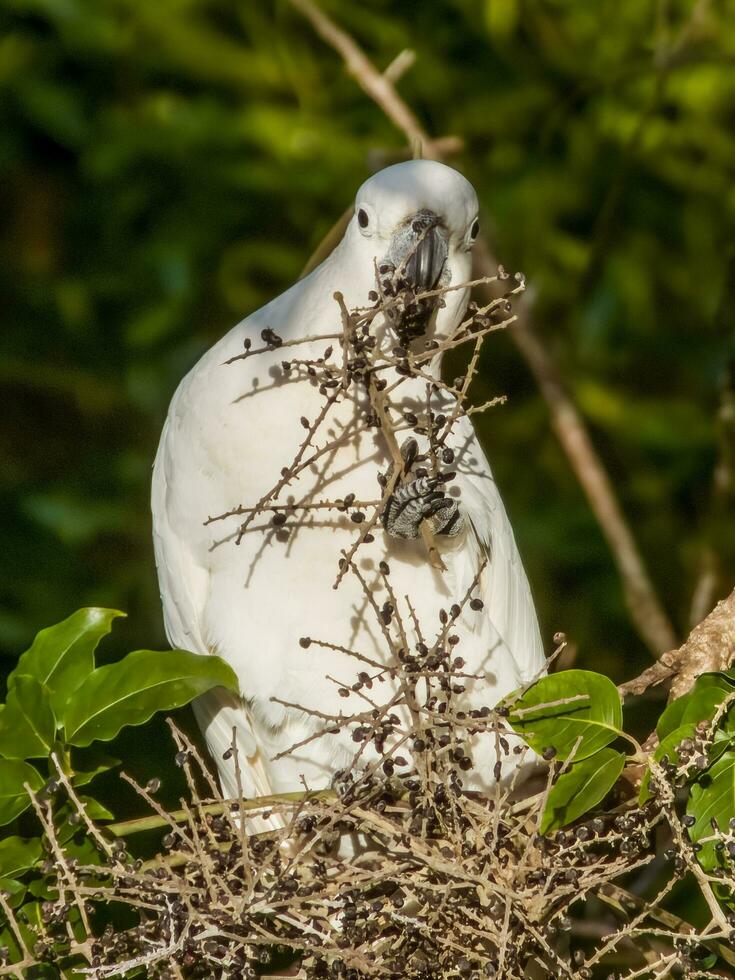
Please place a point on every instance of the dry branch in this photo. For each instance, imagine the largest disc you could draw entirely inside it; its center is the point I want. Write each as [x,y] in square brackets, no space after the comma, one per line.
[710,646]
[445,882]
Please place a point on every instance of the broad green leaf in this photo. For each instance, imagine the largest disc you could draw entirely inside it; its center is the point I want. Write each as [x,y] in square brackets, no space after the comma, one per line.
[722,741]
[64,829]
[13,797]
[27,723]
[67,828]
[712,797]
[32,926]
[15,891]
[667,747]
[81,846]
[18,854]
[133,690]
[43,888]
[62,656]
[582,787]
[94,809]
[562,709]
[90,762]
[699,704]
[9,939]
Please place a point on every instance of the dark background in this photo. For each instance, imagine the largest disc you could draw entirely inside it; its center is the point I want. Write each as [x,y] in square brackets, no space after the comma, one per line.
[168,167]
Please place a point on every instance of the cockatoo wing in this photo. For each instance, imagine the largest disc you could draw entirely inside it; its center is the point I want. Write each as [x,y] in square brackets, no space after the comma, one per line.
[504,586]
[184,583]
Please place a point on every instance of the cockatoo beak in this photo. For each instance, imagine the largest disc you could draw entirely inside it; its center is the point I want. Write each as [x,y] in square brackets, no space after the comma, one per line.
[419,251]
[425,265]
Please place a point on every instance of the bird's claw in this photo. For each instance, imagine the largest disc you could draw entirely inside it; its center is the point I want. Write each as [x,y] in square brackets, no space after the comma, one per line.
[421,499]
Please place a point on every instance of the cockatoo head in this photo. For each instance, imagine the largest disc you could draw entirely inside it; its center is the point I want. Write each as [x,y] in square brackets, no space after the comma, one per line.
[418,219]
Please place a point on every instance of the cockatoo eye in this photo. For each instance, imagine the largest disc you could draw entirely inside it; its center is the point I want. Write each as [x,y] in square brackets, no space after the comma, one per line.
[475,229]
[362,218]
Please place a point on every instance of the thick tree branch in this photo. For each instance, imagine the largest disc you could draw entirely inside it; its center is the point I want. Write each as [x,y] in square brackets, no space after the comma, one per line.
[709,646]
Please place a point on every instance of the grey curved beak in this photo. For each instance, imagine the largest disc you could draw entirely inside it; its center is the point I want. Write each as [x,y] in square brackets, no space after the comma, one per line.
[418,251]
[425,265]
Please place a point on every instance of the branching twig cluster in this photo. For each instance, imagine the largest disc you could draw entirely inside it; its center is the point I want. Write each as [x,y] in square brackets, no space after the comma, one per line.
[447,885]
[398,870]
[379,349]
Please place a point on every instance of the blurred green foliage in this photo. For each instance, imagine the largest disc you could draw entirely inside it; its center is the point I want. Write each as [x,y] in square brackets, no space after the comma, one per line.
[167,167]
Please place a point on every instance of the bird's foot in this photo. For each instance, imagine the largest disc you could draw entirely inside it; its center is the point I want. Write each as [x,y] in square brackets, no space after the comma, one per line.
[421,499]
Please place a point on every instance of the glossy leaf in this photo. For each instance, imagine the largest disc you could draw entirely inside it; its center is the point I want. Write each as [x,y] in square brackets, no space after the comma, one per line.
[582,787]
[709,691]
[574,706]
[722,741]
[62,656]
[18,855]
[134,689]
[27,722]
[90,762]
[668,747]
[712,797]
[15,891]
[94,809]
[82,847]
[13,797]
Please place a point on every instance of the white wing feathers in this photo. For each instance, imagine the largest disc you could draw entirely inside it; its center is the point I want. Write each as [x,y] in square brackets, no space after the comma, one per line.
[184,584]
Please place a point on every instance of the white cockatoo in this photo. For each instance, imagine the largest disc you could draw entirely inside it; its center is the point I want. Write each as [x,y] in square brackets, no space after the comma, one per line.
[232,427]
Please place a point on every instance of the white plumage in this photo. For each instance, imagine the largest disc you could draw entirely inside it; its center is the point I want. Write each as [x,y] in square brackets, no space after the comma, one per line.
[230,430]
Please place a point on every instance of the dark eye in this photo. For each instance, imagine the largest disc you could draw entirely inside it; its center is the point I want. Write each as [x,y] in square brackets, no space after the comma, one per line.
[475,229]
[362,218]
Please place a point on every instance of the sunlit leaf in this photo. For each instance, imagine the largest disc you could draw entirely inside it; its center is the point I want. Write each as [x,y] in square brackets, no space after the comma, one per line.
[666,748]
[698,704]
[582,787]
[712,798]
[63,655]
[27,722]
[574,708]
[95,810]
[18,854]
[13,797]
[15,891]
[134,689]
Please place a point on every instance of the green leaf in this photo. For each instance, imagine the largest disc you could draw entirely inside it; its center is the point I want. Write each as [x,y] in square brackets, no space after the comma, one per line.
[722,741]
[62,656]
[94,809]
[590,711]
[133,690]
[43,888]
[667,747]
[67,828]
[83,848]
[18,854]
[90,762]
[15,890]
[712,797]
[582,787]
[13,797]
[699,704]
[27,723]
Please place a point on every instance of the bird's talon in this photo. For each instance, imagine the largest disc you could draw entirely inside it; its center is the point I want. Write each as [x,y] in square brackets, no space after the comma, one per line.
[417,501]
